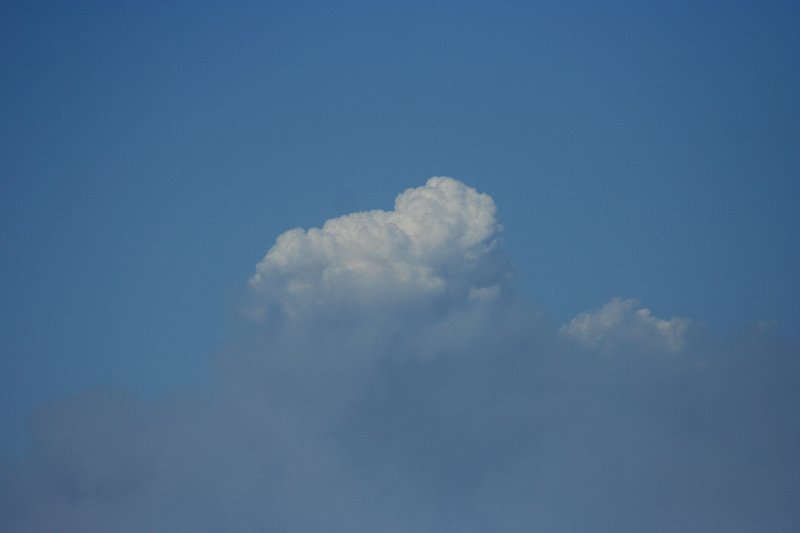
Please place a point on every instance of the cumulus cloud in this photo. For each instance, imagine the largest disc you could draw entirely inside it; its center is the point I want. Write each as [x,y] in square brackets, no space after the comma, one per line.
[625,324]
[460,412]
[436,245]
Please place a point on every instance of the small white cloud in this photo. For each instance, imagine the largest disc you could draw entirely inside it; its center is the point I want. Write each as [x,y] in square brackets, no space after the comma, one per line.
[623,323]
[435,244]
[484,294]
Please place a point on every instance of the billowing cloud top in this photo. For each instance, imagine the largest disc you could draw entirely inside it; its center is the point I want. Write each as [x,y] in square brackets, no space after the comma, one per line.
[437,241]
[623,323]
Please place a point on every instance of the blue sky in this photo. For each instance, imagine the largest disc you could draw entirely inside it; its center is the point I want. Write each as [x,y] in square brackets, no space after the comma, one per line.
[150,154]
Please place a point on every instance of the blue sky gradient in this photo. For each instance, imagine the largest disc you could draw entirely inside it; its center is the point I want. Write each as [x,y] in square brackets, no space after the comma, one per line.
[151,153]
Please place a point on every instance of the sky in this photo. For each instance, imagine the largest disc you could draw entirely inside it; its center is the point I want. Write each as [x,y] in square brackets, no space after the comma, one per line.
[427,266]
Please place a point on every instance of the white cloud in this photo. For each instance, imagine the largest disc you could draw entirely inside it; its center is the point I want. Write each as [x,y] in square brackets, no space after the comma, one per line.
[467,418]
[436,244]
[623,323]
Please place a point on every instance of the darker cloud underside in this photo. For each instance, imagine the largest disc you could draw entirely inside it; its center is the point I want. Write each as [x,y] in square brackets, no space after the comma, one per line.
[395,383]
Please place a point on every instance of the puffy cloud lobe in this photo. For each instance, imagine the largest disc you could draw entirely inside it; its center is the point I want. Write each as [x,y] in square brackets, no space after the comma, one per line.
[624,324]
[436,243]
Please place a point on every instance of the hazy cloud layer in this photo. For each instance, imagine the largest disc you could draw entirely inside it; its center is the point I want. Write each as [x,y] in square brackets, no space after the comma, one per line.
[391,388]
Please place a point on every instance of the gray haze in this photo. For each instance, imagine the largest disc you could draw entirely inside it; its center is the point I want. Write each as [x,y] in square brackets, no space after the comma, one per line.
[392,381]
